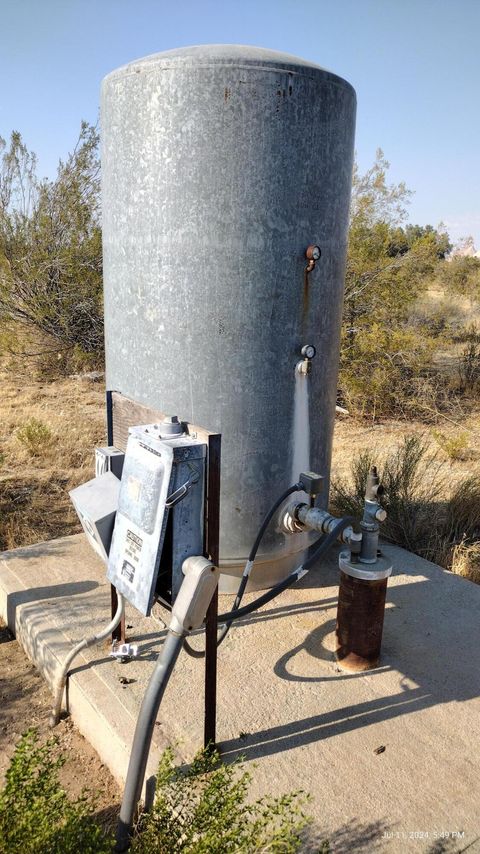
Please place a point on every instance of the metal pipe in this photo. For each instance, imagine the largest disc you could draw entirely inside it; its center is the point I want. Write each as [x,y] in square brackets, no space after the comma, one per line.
[83,644]
[143,736]
[363,587]
[359,628]
[301,516]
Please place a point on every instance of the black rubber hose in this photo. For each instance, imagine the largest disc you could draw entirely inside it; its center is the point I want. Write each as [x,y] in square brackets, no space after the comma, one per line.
[200,653]
[317,553]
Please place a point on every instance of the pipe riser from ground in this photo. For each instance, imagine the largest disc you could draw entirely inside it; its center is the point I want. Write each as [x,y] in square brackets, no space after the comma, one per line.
[360,615]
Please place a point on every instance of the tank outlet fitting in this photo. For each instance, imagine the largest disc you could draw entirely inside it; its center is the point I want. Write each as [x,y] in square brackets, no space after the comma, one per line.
[301,517]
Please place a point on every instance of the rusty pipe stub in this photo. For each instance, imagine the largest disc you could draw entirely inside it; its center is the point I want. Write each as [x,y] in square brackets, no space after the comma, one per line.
[360,613]
[359,628]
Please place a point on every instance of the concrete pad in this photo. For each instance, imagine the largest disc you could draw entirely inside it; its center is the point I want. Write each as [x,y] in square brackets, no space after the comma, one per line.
[283,703]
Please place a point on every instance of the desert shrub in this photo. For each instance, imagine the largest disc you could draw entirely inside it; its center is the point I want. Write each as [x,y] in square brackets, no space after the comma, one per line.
[466,560]
[461,275]
[35,436]
[202,809]
[469,365]
[455,447]
[413,482]
[50,245]
[36,814]
[462,521]
[378,369]
[421,518]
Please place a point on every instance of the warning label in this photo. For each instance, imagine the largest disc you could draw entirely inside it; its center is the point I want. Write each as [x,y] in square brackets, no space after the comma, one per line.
[128,571]
[133,547]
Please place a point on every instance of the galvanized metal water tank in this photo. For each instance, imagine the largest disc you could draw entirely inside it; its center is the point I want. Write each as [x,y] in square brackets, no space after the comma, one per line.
[220,165]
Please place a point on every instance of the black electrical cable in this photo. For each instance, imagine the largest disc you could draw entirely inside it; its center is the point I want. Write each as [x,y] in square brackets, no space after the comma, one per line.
[317,553]
[325,543]
[297,487]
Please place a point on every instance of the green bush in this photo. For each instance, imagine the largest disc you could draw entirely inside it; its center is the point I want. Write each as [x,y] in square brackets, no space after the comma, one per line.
[203,810]
[36,814]
[35,436]
[455,447]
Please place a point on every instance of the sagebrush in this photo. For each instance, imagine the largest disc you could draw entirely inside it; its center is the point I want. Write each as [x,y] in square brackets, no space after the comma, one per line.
[204,809]
[424,515]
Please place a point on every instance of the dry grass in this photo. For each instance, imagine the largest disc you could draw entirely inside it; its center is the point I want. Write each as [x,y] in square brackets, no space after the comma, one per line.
[49,431]
[48,434]
[466,560]
[428,512]
[351,437]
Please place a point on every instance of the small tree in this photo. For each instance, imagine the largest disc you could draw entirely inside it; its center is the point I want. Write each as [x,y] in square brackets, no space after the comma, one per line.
[50,244]
[387,267]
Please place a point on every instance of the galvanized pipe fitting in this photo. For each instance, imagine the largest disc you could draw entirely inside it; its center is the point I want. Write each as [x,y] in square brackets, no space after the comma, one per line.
[299,517]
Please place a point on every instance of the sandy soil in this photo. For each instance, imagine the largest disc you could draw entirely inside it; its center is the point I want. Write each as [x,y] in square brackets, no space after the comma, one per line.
[351,437]
[26,702]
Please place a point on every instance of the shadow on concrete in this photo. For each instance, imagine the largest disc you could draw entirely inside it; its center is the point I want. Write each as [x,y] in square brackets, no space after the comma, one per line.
[431,636]
[35,595]
[28,615]
[39,550]
[356,836]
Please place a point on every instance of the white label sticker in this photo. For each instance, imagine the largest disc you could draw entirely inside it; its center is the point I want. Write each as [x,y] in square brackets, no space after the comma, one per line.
[134,488]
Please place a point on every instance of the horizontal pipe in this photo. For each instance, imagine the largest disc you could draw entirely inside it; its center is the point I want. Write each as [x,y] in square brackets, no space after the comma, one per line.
[315,519]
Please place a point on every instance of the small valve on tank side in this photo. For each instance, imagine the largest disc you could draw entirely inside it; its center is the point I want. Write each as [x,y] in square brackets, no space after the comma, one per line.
[312,254]
[308,352]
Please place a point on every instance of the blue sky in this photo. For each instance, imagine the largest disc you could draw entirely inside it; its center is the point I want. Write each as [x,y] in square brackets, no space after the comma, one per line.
[415,65]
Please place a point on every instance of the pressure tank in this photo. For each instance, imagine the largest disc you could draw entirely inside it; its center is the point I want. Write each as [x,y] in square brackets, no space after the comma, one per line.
[221,164]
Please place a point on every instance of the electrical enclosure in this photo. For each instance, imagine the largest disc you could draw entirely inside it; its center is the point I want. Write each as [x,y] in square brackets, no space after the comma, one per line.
[96,503]
[160,517]
[109,459]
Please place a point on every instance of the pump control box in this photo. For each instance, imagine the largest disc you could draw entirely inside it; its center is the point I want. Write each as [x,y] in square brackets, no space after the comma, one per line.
[160,516]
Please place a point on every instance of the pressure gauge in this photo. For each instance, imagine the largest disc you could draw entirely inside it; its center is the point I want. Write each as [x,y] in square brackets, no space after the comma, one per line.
[313,253]
[308,351]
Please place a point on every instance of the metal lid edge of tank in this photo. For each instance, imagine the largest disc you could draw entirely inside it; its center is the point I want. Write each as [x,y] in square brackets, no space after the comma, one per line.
[226,54]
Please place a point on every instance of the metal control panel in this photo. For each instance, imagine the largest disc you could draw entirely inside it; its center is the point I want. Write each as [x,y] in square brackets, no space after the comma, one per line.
[160,516]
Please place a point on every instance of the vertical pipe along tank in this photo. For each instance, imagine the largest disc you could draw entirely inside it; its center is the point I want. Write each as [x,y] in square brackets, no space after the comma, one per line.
[220,165]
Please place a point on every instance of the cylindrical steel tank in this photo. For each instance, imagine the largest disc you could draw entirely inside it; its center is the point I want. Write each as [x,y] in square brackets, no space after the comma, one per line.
[220,165]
